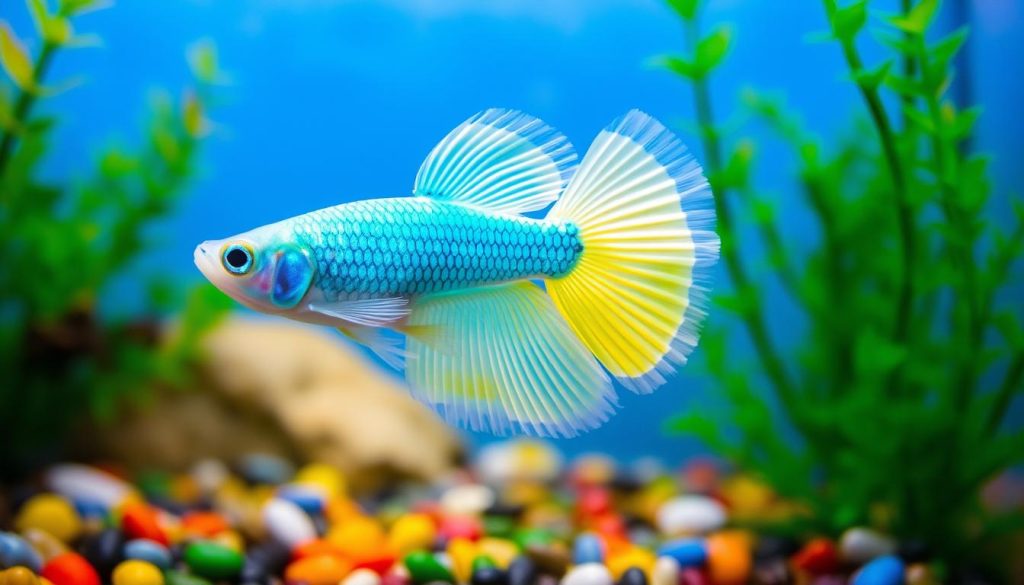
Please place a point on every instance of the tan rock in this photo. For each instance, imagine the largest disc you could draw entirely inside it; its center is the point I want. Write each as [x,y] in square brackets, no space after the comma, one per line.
[274,387]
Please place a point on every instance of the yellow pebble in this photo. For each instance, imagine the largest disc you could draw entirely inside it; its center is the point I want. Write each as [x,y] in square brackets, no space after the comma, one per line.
[51,513]
[501,551]
[462,551]
[411,533]
[326,477]
[231,539]
[137,573]
[634,556]
[18,576]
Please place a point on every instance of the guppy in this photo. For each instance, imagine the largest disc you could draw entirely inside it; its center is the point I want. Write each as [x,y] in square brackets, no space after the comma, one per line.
[504,322]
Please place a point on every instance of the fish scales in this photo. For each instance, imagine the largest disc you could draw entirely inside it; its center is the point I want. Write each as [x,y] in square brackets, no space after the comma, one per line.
[412,246]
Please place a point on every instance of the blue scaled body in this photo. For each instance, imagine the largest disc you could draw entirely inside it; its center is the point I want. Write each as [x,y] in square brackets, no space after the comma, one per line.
[415,245]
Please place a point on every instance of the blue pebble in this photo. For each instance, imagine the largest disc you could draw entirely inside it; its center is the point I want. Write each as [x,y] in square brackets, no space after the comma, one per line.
[310,500]
[90,509]
[147,550]
[15,552]
[885,570]
[688,552]
[588,548]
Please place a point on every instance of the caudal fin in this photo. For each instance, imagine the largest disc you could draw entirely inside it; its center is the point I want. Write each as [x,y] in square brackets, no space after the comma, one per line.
[645,212]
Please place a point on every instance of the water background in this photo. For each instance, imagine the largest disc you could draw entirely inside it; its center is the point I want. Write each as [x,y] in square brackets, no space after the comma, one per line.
[337,100]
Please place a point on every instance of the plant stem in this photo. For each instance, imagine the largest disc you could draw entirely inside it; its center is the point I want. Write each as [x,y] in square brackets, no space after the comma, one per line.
[904,211]
[24,102]
[752,315]
[1011,383]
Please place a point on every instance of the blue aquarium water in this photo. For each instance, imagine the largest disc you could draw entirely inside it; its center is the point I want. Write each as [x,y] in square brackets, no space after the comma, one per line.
[337,100]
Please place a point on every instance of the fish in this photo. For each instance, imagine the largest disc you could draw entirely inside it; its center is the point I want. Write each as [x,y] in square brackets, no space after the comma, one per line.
[517,287]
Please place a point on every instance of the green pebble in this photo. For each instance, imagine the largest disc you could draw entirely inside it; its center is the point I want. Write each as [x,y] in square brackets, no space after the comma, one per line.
[483,562]
[424,568]
[212,560]
[499,526]
[180,578]
[526,537]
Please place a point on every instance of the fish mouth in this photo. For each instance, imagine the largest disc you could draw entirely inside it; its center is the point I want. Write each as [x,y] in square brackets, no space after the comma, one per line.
[205,259]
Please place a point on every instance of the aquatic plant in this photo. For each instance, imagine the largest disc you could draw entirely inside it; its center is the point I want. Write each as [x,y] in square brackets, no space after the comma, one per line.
[892,409]
[62,244]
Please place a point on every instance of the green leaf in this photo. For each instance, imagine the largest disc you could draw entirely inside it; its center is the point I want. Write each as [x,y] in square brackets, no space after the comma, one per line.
[920,119]
[712,49]
[676,64]
[964,121]
[75,7]
[918,19]
[686,9]
[15,58]
[848,20]
[946,48]
[202,59]
[872,78]
[904,85]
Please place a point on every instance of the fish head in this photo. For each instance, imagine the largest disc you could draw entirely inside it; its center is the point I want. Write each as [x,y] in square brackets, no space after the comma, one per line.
[259,269]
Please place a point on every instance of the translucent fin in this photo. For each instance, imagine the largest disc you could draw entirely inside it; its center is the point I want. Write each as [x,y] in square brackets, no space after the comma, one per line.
[500,160]
[368,312]
[509,364]
[387,347]
[637,296]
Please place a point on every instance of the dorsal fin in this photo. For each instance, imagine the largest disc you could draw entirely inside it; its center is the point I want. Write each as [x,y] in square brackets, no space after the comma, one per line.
[500,160]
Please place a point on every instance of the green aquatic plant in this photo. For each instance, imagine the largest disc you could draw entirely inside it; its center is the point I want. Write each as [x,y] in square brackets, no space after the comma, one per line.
[892,408]
[64,242]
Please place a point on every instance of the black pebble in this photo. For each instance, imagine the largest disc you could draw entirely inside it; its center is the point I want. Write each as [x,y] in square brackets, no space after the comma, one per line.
[914,551]
[522,571]
[773,547]
[320,523]
[771,572]
[506,510]
[104,551]
[633,576]
[489,576]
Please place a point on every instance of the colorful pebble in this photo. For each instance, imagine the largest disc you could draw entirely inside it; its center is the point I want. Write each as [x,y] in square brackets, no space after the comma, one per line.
[70,569]
[18,576]
[287,523]
[51,513]
[688,552]
[212,560]
[689,515]
[424,568]
[136,572]
[588,574]
[884,570]
[362,577]
[859,545]
[587,548]
[15,551]
[318,570]
[150,551]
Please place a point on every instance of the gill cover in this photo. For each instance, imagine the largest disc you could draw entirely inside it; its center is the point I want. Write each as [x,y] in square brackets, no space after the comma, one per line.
[293,273]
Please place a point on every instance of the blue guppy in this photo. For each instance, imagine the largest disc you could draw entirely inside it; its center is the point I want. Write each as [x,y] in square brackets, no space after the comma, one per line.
[503,321]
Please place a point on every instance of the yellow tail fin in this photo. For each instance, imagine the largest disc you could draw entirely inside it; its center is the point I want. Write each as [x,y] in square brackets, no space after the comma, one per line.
[636,298]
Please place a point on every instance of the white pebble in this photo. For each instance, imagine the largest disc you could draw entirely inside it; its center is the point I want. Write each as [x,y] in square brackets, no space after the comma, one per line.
[210,474]
[666,571]
[518,460]
[859,545]
[467,500]
[81,483]
[287,523]
[588,574]
[690,515]
[361,577]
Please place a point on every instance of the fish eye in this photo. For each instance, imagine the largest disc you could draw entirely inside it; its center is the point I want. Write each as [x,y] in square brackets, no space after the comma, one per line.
[237,259]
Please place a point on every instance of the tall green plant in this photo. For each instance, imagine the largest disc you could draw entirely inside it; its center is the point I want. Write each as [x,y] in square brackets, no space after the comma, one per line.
[899,390]
[63,243]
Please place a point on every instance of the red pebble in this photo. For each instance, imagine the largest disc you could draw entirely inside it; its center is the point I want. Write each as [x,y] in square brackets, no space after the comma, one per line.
[468,527]
[593,502]
[691,576]
[138,520]
[70,569]
[610,525]
[817,557]
[395,578]
[379,563]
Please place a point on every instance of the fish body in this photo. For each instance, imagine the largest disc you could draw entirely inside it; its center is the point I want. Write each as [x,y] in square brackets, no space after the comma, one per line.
[443,285]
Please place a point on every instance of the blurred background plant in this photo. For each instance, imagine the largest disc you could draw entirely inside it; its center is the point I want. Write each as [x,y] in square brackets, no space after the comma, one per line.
[63,242]
[896,398]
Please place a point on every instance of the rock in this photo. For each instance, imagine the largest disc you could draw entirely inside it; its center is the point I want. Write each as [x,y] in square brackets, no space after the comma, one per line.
[885,570]
[287,390]
[588,574]
[690,515]
[859,545]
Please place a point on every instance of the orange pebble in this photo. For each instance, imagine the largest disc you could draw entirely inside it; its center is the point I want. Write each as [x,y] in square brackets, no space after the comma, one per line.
[357,537]
[633,556]
[139,520]
[729,558]
[320,570]
[316,548]
[204,524]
